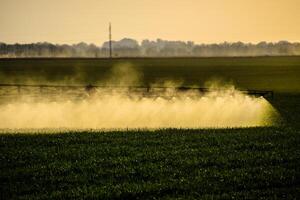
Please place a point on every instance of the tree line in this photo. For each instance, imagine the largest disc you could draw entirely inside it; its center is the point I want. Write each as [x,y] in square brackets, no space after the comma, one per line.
[158,48]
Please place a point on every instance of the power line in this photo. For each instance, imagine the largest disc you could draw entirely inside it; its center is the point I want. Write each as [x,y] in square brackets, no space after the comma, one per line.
[110,44]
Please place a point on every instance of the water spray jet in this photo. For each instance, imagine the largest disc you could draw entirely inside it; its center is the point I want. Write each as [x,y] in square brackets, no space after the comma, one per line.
[126,105]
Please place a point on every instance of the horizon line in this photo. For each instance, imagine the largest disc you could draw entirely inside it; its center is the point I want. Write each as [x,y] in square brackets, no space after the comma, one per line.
[155,40]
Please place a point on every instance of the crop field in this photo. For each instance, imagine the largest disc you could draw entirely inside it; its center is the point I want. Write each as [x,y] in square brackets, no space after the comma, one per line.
[281,74]
[223,163]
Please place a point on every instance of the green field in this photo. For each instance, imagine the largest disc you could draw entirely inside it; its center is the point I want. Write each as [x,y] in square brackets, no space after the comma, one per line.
[281,74]
[248,163]
[231,163]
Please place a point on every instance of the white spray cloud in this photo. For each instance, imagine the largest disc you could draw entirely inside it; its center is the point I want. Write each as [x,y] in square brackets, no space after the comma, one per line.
[118,109]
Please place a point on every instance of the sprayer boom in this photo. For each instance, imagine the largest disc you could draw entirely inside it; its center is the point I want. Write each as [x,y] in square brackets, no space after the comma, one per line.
[145,90]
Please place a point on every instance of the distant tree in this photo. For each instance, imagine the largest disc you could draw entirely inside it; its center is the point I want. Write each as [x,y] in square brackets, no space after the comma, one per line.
[130,47]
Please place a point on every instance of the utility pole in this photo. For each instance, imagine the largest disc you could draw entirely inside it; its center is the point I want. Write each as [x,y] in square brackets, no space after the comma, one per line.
[110,44]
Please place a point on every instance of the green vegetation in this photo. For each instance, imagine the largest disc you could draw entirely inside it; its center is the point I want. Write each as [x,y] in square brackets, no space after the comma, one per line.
[250,163]
[227,163]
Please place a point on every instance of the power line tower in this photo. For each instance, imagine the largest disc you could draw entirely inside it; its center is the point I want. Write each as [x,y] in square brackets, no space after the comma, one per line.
[110,44]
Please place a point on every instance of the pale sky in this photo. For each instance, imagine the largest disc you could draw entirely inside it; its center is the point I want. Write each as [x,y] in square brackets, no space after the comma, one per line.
[202,21]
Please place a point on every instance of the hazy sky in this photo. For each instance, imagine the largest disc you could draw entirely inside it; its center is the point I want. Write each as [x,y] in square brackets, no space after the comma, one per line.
[202,21]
